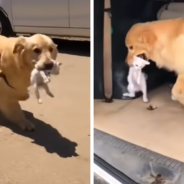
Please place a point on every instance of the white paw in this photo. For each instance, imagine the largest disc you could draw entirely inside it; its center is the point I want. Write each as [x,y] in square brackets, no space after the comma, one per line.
[39,101]
[145,100]
[129,95]
[173,98]
[46,81]
[125,94]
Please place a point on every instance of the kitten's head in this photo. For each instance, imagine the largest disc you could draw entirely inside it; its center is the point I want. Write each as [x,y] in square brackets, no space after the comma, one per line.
[139,63]
[56,68]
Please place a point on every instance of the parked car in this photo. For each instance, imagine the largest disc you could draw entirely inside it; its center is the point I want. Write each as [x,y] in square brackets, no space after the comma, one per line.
[56,17]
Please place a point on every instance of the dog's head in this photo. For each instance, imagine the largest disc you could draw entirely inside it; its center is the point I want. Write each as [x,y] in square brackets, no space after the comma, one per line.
[39,51]
[139,42]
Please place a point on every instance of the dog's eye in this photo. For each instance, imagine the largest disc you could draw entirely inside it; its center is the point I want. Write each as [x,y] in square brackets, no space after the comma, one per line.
[50,49]
[37,50]
[131,47]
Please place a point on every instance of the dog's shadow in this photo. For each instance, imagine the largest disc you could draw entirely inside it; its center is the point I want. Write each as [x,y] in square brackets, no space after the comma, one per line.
[47,136]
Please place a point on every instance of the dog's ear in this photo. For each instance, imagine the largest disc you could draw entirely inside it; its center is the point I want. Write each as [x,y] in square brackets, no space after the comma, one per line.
[19,45]
[147,37]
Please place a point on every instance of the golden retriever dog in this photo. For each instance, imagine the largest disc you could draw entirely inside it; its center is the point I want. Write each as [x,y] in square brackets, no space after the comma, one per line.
[178,89]
[18,57]
[160,41]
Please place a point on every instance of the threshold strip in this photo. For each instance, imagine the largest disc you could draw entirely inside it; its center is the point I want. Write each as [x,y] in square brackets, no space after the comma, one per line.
[104,175]
[109,173]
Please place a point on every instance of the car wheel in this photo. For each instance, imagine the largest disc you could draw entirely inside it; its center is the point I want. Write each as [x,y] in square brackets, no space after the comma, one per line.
[5,26]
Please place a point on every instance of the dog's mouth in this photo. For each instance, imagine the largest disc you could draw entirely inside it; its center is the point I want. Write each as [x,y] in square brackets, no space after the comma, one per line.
[47,66]
[143,56]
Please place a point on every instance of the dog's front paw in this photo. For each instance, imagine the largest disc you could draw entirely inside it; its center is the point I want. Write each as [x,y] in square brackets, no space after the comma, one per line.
[27,126]
[23,97]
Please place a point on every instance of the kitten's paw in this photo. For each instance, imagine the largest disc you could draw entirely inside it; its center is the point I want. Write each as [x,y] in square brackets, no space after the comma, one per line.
[46,81]
[50,94]
[126,94]
[40,101]
[129,95]
[173,98]
[145,100]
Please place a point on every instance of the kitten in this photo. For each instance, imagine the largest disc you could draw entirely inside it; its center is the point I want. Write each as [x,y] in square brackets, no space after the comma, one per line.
[40,79]
[137,79]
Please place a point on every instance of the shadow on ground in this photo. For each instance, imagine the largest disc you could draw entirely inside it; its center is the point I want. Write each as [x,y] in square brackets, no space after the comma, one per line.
[47,136]
[80,48]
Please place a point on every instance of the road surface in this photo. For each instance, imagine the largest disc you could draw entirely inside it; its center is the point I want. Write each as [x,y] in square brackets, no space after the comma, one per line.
[58,152]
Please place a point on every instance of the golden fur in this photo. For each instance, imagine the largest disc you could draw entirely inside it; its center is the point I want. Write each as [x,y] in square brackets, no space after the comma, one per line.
[18,58]
[178,89]
[162,42]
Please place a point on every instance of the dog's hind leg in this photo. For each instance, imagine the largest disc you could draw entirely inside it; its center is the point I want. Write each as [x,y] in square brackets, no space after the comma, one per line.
[178,90]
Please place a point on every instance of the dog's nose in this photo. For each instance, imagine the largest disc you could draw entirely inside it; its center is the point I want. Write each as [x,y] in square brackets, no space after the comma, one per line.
[48,66]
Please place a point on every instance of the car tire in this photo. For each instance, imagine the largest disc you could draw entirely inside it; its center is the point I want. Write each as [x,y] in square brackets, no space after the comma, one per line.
[5,26]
